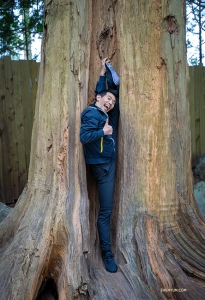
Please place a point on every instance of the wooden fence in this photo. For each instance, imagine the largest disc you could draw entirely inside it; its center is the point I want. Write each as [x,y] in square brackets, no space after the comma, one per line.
[18,86]
[197,111]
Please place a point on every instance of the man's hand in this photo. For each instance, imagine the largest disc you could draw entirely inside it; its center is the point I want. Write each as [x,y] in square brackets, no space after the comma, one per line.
[107,128]
[103,69]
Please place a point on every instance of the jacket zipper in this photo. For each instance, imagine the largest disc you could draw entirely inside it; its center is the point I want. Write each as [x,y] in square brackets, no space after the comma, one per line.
[101,144]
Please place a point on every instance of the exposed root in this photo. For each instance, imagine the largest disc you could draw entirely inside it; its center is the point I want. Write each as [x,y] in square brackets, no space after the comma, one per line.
[176,258]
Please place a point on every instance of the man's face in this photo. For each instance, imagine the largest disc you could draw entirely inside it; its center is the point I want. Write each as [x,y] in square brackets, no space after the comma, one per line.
[106,103]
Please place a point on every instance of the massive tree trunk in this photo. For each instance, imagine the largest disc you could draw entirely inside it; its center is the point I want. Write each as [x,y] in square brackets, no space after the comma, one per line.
[157,230]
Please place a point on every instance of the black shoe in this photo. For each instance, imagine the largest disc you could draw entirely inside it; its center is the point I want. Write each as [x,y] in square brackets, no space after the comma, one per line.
[109,262]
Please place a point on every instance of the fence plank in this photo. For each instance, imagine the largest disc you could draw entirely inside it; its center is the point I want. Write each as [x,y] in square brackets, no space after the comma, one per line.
[12,128]
[2,125]
[7,134]
[27,106]
[34,69]
[202,110]
[20,126]
[197,111]
[192,113]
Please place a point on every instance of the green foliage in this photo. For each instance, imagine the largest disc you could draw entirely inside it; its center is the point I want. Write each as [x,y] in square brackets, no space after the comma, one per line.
[20,21]
[194,61]
[195,30]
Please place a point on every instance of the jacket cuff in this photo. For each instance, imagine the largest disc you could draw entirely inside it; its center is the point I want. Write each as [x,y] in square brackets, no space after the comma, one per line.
[101,133]
[102,79]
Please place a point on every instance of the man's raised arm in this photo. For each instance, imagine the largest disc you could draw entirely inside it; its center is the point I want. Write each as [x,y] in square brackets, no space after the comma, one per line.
[101,84]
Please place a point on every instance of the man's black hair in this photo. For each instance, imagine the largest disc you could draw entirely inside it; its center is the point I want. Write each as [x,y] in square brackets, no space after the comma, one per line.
[103,93]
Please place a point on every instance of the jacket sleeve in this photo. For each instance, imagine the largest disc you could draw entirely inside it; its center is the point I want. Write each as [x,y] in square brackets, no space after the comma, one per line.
[89,131]
[101,85]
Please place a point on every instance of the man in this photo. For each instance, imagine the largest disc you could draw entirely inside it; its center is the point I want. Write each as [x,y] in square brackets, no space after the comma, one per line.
[99,127]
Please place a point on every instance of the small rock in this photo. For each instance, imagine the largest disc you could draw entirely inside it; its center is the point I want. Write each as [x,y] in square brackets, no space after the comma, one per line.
[4,211]
[200,168]
[199,194]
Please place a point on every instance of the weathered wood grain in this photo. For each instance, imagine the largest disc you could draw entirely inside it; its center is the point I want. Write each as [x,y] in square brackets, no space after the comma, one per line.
[18,90]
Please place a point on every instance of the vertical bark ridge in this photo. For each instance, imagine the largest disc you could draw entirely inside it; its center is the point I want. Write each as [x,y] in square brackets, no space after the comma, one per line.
[49,231]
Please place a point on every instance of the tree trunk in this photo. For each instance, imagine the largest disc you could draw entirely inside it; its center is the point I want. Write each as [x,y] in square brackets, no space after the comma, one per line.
[157,230]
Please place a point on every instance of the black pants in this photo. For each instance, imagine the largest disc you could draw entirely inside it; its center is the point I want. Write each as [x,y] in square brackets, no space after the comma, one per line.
[105,177]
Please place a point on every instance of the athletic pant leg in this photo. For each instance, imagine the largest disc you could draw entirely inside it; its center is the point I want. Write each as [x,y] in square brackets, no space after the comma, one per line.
[105,176]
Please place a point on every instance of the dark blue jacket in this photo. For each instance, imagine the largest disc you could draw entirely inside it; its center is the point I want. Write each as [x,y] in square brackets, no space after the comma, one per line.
[99,148]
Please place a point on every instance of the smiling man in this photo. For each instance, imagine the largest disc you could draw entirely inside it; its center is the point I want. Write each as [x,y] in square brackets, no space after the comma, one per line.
[105,100]
[98,133]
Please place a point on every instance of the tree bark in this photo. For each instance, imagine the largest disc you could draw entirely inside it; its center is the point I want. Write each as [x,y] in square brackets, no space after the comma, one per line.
[157,230]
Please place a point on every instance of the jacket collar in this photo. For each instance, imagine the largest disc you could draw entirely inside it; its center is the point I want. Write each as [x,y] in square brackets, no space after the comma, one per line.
[98,108]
